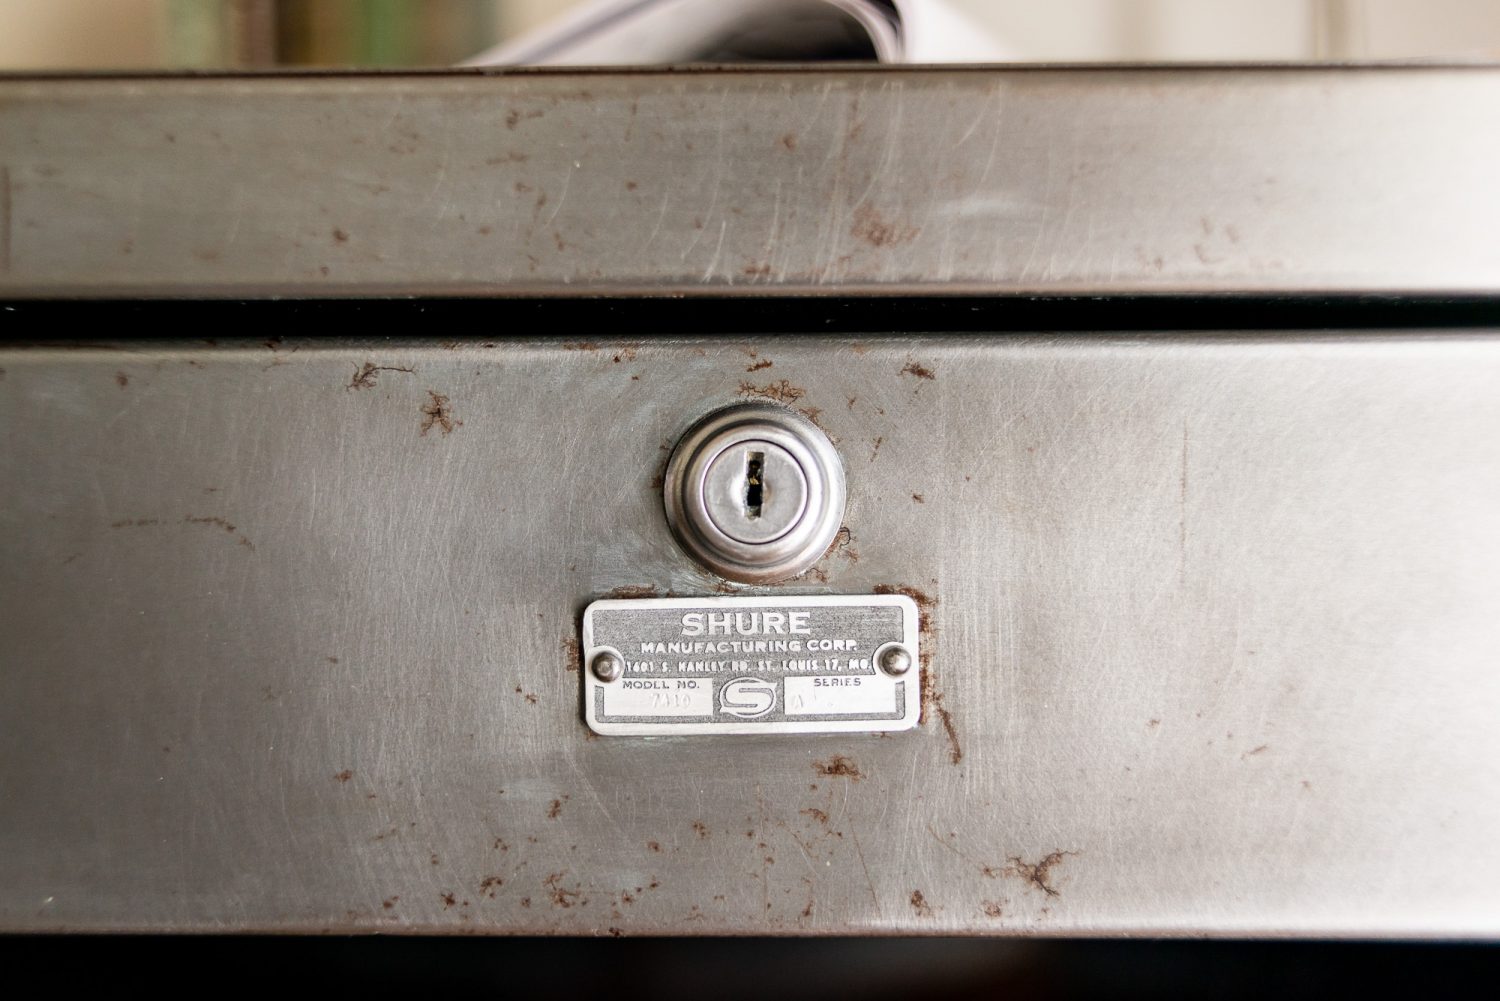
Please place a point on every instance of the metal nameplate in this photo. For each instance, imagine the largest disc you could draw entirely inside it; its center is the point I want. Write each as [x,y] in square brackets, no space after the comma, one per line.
[655,666]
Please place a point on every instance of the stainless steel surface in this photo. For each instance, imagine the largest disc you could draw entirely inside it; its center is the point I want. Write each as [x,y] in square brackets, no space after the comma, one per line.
[752,664]
[797,507]
[1096,181]
[1210,632]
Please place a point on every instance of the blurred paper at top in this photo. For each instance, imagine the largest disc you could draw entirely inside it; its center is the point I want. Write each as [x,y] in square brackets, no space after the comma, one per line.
[649,32]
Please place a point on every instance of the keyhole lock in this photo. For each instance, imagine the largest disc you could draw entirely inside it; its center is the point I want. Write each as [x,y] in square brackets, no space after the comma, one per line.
[755,493]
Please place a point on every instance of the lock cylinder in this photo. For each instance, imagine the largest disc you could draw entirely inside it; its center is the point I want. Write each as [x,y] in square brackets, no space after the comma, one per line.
[755,493]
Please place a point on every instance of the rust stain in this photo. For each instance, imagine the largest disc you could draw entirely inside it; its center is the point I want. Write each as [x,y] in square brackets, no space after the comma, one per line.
[345,775]
[700,829]
[1258,750]
[920,905]
[992,909]
[187,520]
[919,498]
[554,809]
[562,896]
[436,413]
[633,591]
[838,766]
[366,375]
[571,653]
[389,903]
[878,231]
[782,391]
[122,380]
[918,370]
[932,697]
[820,816]
[789,142]
[1038,874]
[762,364]
[580,346]
[489,884]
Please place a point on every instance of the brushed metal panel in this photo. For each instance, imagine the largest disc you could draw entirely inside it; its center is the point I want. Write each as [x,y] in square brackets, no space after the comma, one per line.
[288,641]
[1183,180]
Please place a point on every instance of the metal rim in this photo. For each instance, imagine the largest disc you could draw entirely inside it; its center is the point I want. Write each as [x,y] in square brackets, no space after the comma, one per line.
[804,543]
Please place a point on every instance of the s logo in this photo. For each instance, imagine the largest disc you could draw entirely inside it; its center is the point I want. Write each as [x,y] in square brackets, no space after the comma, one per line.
[747,698]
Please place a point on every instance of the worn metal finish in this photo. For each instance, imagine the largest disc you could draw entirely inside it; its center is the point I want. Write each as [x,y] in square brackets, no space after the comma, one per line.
[882,181]
[288,640]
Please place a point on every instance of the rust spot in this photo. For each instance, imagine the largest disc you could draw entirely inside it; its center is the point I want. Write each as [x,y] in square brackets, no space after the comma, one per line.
[781,391]
[345,775]
[448,900]
[816,814]
[561,896]
[925,603]
[436,413]
[572,655]
[554,809]
[389,902]
[756,271]
[873,228]
[920,371]
[919,498]
[1152,724]
[992,909]
[920,905]
[789,142]
[631,185]
[1255,751]
[365,375]
[122,380]
[700,829]
[1038,874]
[340,236]
[762,364]
[580,346]
[514,118]
[838,766]
[489,884]
[655,846]
[625,354]
[633,591]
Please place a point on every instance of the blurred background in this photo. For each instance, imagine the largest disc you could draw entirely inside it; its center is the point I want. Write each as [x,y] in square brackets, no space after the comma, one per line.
[232,34]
